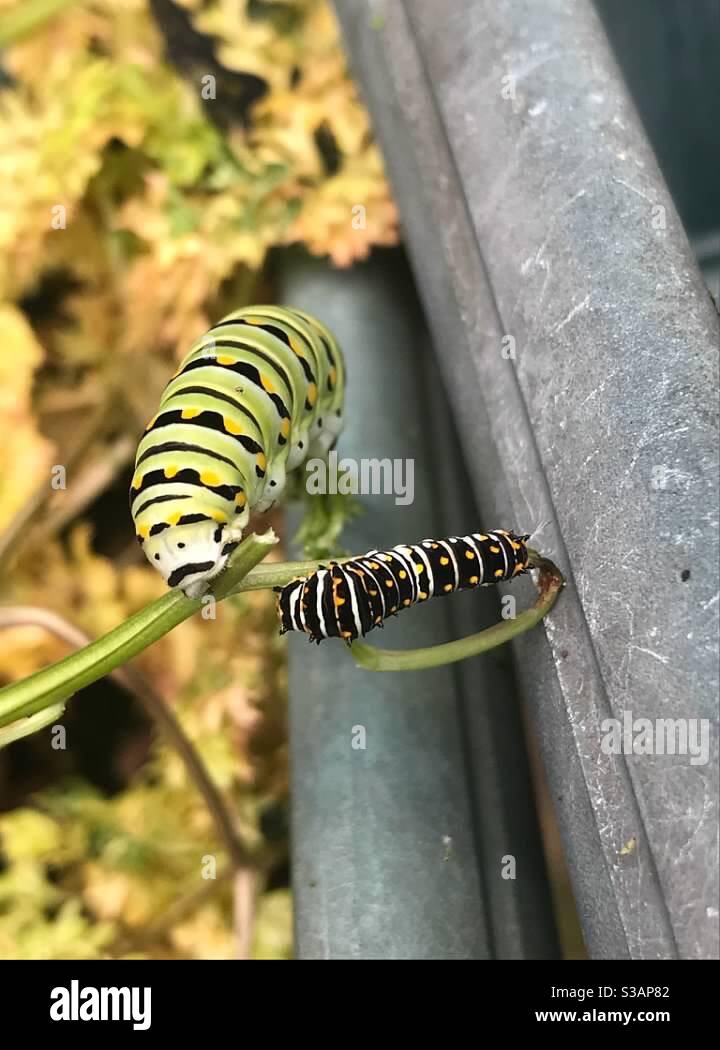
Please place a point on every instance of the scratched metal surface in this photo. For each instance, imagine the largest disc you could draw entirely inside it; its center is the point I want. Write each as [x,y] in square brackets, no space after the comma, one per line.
[397,849]
[536,217]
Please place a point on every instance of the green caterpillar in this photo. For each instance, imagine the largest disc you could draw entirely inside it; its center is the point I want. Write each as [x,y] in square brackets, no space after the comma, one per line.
[255,396]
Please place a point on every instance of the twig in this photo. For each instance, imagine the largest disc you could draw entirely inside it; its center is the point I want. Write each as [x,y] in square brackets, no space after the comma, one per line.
[177,911]
[243,912]
[94,479]
[18,531]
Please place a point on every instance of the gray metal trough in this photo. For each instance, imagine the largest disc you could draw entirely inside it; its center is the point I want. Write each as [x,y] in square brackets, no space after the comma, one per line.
[573,358]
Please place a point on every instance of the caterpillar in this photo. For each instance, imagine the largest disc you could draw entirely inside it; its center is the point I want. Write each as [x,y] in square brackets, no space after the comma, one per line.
[254,397]
[348,599]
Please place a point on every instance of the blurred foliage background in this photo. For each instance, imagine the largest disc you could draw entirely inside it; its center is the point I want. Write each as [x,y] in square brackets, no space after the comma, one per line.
[152,154]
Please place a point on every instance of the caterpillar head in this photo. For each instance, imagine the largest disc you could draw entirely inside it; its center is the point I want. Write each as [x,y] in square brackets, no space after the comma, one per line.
[191,556]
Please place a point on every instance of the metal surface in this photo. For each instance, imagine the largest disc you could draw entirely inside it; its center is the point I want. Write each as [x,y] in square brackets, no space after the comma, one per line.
[398,848]
[533,208]
[668,52]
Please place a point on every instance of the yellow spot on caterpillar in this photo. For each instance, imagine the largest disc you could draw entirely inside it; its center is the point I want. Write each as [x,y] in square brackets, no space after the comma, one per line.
[444,561]
[240,499]
[217,515]
[422,596]
[435,546]
[312,393]
[386,557]
[339,601]
[190,413]
[447,587]
[285,427]
[406,602]
[374,565]
[255,320]
[170,472]
[261,460]
[495,550]
[150,424]
[208,478]
[394,609]
[346,634]
[519,567]
[137,481]
[498,572]
[474,579]
[174,518]
[482,537]
[388,583]
[231,426]
[295,348]
[515,546]
[267,384]
[332,376]
[419,567]
[372,594]
[469,555]
[225,359]
[378,619]
[144,531]
[402,574]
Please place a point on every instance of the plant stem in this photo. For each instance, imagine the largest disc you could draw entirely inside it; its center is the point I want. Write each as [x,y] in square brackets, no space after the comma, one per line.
[61,680]
[33,724]
[55,684]
[550,583]
[274,575]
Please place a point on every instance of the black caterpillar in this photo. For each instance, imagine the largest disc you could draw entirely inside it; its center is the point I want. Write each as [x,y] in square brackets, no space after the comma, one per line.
[348,599]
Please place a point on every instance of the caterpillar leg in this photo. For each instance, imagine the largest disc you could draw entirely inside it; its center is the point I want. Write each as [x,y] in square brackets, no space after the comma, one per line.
[299,450]
[275,485]
[233,531]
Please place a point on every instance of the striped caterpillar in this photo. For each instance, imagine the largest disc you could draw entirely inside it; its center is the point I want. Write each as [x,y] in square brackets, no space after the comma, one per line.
[348,599]
[255,396]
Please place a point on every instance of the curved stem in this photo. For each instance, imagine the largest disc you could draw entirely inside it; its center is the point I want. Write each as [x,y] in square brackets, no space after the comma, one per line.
[55,684]
[550,583]
[33,724]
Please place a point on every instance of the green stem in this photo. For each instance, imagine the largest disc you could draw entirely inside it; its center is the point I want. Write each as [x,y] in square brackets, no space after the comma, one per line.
[275,575]
[53,685]
[33,724]
[61,680]
[550,583]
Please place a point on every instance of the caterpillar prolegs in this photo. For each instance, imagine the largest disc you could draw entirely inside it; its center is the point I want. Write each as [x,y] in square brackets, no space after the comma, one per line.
[348,599]
[255,396]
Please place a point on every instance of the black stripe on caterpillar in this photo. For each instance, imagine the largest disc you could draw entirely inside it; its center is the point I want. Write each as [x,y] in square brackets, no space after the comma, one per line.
[348,599]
